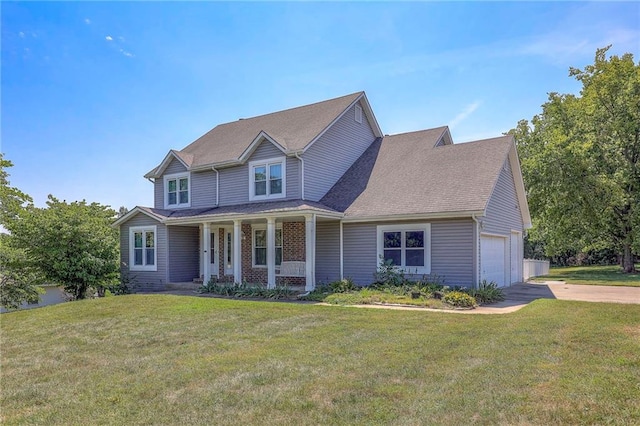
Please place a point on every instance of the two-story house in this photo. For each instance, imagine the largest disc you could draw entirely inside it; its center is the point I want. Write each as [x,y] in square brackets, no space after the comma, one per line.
[317,193]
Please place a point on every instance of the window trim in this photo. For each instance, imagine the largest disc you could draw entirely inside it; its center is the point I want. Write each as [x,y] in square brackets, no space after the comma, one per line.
[267,162]
[260,227]
[176,177]
[144,230]
[426,227]
[358,114]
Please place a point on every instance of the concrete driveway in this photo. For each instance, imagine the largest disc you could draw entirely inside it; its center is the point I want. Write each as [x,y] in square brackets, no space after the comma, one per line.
[519,295]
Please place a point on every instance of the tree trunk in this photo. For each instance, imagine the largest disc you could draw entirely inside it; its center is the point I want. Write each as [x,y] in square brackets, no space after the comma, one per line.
[627,259]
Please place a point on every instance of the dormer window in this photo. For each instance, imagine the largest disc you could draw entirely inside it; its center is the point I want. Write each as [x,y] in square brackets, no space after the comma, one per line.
[267,179]
[177,191]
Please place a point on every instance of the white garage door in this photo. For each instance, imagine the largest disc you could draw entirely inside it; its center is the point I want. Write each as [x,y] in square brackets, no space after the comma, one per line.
[492,259]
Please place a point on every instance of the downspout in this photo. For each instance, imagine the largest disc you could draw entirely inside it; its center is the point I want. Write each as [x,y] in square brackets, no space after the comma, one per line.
[217,185]
[477,251]
[301,172]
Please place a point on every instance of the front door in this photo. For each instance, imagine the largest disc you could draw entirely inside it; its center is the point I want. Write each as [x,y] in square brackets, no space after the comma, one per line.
[213,254]
[228,251]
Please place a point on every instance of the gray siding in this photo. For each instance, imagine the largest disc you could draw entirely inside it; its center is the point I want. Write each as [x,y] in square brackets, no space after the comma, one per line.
[503,211]
[145,280]
[158,193]
[158,187]
[184,263]
[234,181]
[359,245]
[327,252]
[203,189]
[451,251]
[331,155]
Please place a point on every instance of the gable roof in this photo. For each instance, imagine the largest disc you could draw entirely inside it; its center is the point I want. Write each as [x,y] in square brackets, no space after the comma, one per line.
[407,175]
[291,130]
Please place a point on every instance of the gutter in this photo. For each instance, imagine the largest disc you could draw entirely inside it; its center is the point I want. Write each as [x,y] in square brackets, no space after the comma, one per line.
[297,155]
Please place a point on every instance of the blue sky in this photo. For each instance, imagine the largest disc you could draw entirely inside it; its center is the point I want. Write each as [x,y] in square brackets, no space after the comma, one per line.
[95,94]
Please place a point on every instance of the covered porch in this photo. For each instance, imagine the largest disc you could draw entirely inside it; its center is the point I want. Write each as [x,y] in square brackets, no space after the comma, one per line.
[271,250]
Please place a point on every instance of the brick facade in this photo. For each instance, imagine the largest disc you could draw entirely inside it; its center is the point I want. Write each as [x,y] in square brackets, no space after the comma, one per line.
[293,249]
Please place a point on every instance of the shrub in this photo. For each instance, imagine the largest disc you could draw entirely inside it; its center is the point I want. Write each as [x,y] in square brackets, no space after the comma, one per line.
[459,299]
[388,274]
[343,286]
[487,293]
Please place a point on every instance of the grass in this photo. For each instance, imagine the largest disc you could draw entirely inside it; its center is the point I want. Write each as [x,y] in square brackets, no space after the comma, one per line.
[593,275]
[159,359]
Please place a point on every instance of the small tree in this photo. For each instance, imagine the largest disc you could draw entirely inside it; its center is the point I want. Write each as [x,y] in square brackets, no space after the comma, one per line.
[72,244]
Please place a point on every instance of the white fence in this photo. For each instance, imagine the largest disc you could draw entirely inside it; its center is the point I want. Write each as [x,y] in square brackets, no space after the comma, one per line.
[535,268]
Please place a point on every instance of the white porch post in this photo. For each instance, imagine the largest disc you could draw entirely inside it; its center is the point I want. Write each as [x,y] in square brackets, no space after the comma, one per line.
[271,252]
[206,252]
[237,252]
[310,251]
[202,254]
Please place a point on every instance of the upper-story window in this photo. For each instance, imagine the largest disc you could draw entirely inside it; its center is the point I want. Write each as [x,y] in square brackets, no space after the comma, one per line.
[267,179]
[177,191]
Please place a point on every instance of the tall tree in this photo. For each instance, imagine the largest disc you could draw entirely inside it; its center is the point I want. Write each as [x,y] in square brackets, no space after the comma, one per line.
[580,160]
[72,244]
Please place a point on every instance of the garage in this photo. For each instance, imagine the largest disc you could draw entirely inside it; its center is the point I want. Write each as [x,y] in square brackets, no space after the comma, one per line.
[492,259]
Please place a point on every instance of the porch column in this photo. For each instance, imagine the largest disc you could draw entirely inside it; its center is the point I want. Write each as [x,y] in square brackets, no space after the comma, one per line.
[271,252]
[237,252]
[202,255]
[206,252]
[310,251]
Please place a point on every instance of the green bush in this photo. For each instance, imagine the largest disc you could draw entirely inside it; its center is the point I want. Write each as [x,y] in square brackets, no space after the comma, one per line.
[459,299]
[487,293]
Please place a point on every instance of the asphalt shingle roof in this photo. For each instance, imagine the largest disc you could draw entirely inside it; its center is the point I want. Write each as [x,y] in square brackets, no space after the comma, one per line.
[293,129]
[406,174]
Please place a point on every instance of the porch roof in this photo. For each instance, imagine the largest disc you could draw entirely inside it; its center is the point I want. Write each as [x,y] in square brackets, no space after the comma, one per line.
[242,211]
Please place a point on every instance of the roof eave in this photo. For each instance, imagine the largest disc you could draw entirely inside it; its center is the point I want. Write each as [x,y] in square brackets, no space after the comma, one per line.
[419,216]
[234,216]
[132,213]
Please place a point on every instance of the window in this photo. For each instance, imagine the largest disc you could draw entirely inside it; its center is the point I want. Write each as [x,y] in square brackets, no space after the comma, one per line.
[267,179]
[142,248]
[260,246]
[177,191]
[406,246]
[358,112]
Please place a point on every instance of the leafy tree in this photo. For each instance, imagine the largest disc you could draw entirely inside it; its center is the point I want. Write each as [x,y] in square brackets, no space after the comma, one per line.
[18,281]
[580,159]
[72,244]
[12,200]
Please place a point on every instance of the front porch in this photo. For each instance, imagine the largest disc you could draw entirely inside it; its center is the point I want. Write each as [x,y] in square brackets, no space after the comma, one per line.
[270,250]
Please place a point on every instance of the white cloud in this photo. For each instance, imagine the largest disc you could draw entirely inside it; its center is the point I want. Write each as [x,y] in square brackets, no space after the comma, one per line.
[120,38]
[127,54]
[87,21]
[466,112]
[21,34]
[108,38]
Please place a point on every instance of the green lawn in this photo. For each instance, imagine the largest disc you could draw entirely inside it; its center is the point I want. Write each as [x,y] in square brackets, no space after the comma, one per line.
[156,359]
[592,275]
